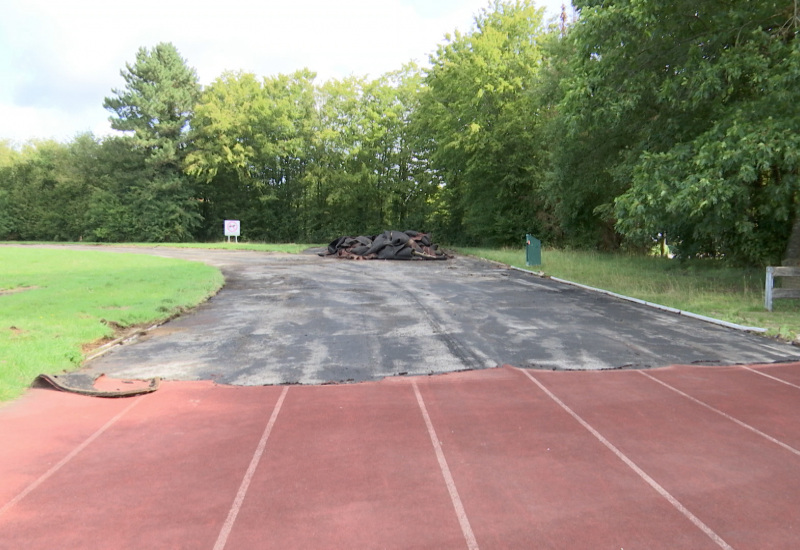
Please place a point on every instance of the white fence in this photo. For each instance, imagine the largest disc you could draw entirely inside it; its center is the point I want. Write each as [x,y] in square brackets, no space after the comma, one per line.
[771,293]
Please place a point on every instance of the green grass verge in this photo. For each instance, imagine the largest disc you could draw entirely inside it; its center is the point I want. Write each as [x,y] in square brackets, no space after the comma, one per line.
[706,287]
[54,302]
[290,248]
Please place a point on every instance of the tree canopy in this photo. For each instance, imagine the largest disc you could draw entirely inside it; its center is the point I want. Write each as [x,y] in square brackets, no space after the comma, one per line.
[157,105]
[694,110]
[481,122]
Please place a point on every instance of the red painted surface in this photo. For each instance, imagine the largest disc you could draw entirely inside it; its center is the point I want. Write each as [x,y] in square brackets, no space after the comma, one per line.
[163,476]
[588,460]
[787,372]
[532,477]
[742,486]
[746,394]
[40,429]
[348,467]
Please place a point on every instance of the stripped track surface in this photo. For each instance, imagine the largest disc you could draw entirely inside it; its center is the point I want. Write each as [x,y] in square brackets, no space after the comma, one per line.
[677,457]
[302,319]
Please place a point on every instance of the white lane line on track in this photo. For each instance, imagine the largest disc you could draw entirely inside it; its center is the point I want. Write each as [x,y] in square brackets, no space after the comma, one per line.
[466,528]
[225,532]
[724,414]
[69,457]
[770,376]
[632,465]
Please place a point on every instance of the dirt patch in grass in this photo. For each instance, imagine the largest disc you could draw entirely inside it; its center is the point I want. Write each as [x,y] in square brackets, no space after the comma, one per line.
[4,292]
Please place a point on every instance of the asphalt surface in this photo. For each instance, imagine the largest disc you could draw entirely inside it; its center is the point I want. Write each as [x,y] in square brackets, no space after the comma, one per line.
[303,319]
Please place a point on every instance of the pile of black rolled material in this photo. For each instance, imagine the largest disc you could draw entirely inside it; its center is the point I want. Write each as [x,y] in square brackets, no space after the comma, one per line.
[389,245]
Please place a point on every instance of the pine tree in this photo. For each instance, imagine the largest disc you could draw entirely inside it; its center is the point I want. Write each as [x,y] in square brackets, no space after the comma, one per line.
[156,105]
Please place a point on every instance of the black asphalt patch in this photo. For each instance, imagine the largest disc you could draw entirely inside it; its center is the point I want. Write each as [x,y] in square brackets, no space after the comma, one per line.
[285,319]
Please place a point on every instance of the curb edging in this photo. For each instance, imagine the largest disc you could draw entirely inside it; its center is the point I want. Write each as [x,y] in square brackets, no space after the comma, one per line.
[660,307]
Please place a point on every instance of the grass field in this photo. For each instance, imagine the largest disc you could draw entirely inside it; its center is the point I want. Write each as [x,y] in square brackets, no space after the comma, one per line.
[706,287]
[290,248]
[55,302]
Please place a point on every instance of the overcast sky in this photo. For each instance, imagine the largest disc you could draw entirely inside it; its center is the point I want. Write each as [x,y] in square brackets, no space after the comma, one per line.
[60,59]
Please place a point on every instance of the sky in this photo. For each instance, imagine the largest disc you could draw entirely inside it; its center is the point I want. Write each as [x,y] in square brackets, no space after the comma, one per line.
[60,59]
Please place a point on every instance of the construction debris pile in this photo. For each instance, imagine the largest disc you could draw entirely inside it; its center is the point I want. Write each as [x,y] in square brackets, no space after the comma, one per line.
[389,245]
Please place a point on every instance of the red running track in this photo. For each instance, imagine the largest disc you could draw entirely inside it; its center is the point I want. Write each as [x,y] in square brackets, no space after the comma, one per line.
[679,457]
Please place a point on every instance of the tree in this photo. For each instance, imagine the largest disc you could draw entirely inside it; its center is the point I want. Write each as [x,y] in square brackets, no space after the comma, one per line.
[367,168]
[156,106]
[480,123]
[297,161]
[409,183]
[121,195]
[8,156]
[251,142]
[45,191]
[681,118]
[7,153]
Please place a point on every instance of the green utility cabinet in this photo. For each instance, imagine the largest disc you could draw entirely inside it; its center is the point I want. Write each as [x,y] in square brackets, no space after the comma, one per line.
[533,251]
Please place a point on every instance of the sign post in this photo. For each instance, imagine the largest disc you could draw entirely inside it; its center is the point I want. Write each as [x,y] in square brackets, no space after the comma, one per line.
[232,229]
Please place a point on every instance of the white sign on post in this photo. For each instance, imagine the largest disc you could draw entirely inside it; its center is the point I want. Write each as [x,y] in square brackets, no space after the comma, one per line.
[232,229]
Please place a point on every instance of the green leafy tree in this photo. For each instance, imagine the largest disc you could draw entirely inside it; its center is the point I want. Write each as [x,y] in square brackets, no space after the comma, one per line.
[680,119]
[410,185]
[251,141]
[8,156]
[46,190]
[155,109]
[370,175]
[480,125]
[293,160]
[121,195]
[342,185]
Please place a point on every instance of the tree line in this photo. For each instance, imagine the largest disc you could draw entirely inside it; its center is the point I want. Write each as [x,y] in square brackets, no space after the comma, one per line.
[638,121]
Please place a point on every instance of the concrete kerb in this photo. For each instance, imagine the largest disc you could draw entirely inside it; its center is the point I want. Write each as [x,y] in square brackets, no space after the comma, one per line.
[127,338]
[641,302]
